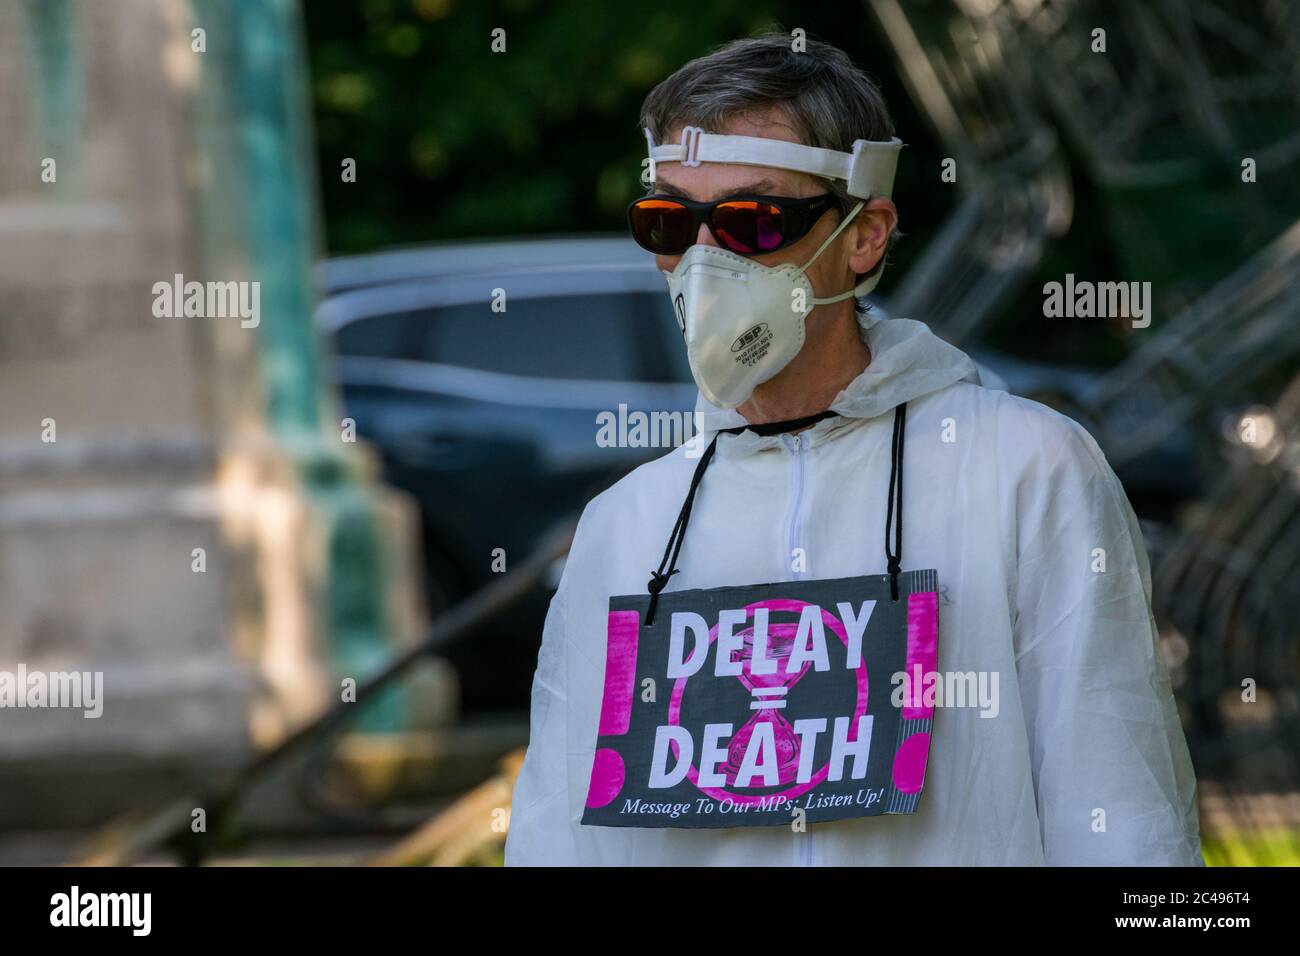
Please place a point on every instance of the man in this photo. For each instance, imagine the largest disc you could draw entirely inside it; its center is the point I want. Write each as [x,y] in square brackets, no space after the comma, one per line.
[824,427]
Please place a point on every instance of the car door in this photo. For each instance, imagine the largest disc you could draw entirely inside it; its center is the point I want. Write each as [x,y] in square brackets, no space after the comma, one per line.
[490,417]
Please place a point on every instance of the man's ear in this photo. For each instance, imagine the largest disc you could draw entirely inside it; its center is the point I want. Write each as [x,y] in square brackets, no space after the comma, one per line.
[870,234]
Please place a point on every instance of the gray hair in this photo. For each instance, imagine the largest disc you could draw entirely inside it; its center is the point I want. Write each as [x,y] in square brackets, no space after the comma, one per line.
[828,100]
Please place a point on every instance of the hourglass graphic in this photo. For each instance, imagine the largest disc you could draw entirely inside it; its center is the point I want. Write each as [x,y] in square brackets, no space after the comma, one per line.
[768,691]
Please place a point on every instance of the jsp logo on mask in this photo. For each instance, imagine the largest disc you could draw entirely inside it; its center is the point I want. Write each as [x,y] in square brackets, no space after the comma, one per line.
[753,344]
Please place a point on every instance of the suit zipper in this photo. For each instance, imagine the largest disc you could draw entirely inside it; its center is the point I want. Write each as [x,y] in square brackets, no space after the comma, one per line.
[794,532]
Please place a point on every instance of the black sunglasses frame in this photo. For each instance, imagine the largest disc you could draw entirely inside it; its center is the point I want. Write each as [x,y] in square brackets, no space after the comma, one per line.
[798,216]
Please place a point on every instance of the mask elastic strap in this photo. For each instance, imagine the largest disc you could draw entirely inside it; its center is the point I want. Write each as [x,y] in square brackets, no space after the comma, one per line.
[831,238]
[822,248]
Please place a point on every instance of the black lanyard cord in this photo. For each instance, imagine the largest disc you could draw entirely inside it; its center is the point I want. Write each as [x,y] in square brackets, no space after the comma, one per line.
[894,555]
[658,579]
[668,565]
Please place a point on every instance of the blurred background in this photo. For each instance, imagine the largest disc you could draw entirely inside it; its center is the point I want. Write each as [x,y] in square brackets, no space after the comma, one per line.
[309,547]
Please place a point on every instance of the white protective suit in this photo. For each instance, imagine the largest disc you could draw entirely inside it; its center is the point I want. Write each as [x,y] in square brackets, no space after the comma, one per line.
[1011,511]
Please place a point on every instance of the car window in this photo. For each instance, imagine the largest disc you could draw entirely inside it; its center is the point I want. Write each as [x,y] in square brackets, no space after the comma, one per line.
[380,336]
[608,336]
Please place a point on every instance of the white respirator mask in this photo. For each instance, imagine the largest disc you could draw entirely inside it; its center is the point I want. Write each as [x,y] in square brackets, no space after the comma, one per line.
[743,322]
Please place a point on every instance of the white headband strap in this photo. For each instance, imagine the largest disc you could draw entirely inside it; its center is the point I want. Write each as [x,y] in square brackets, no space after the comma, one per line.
[867,172]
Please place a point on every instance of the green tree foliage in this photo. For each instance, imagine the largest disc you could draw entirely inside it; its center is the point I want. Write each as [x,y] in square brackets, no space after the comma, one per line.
[454,141]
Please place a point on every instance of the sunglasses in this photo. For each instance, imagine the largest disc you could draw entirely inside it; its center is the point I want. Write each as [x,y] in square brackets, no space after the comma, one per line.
[749,225]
